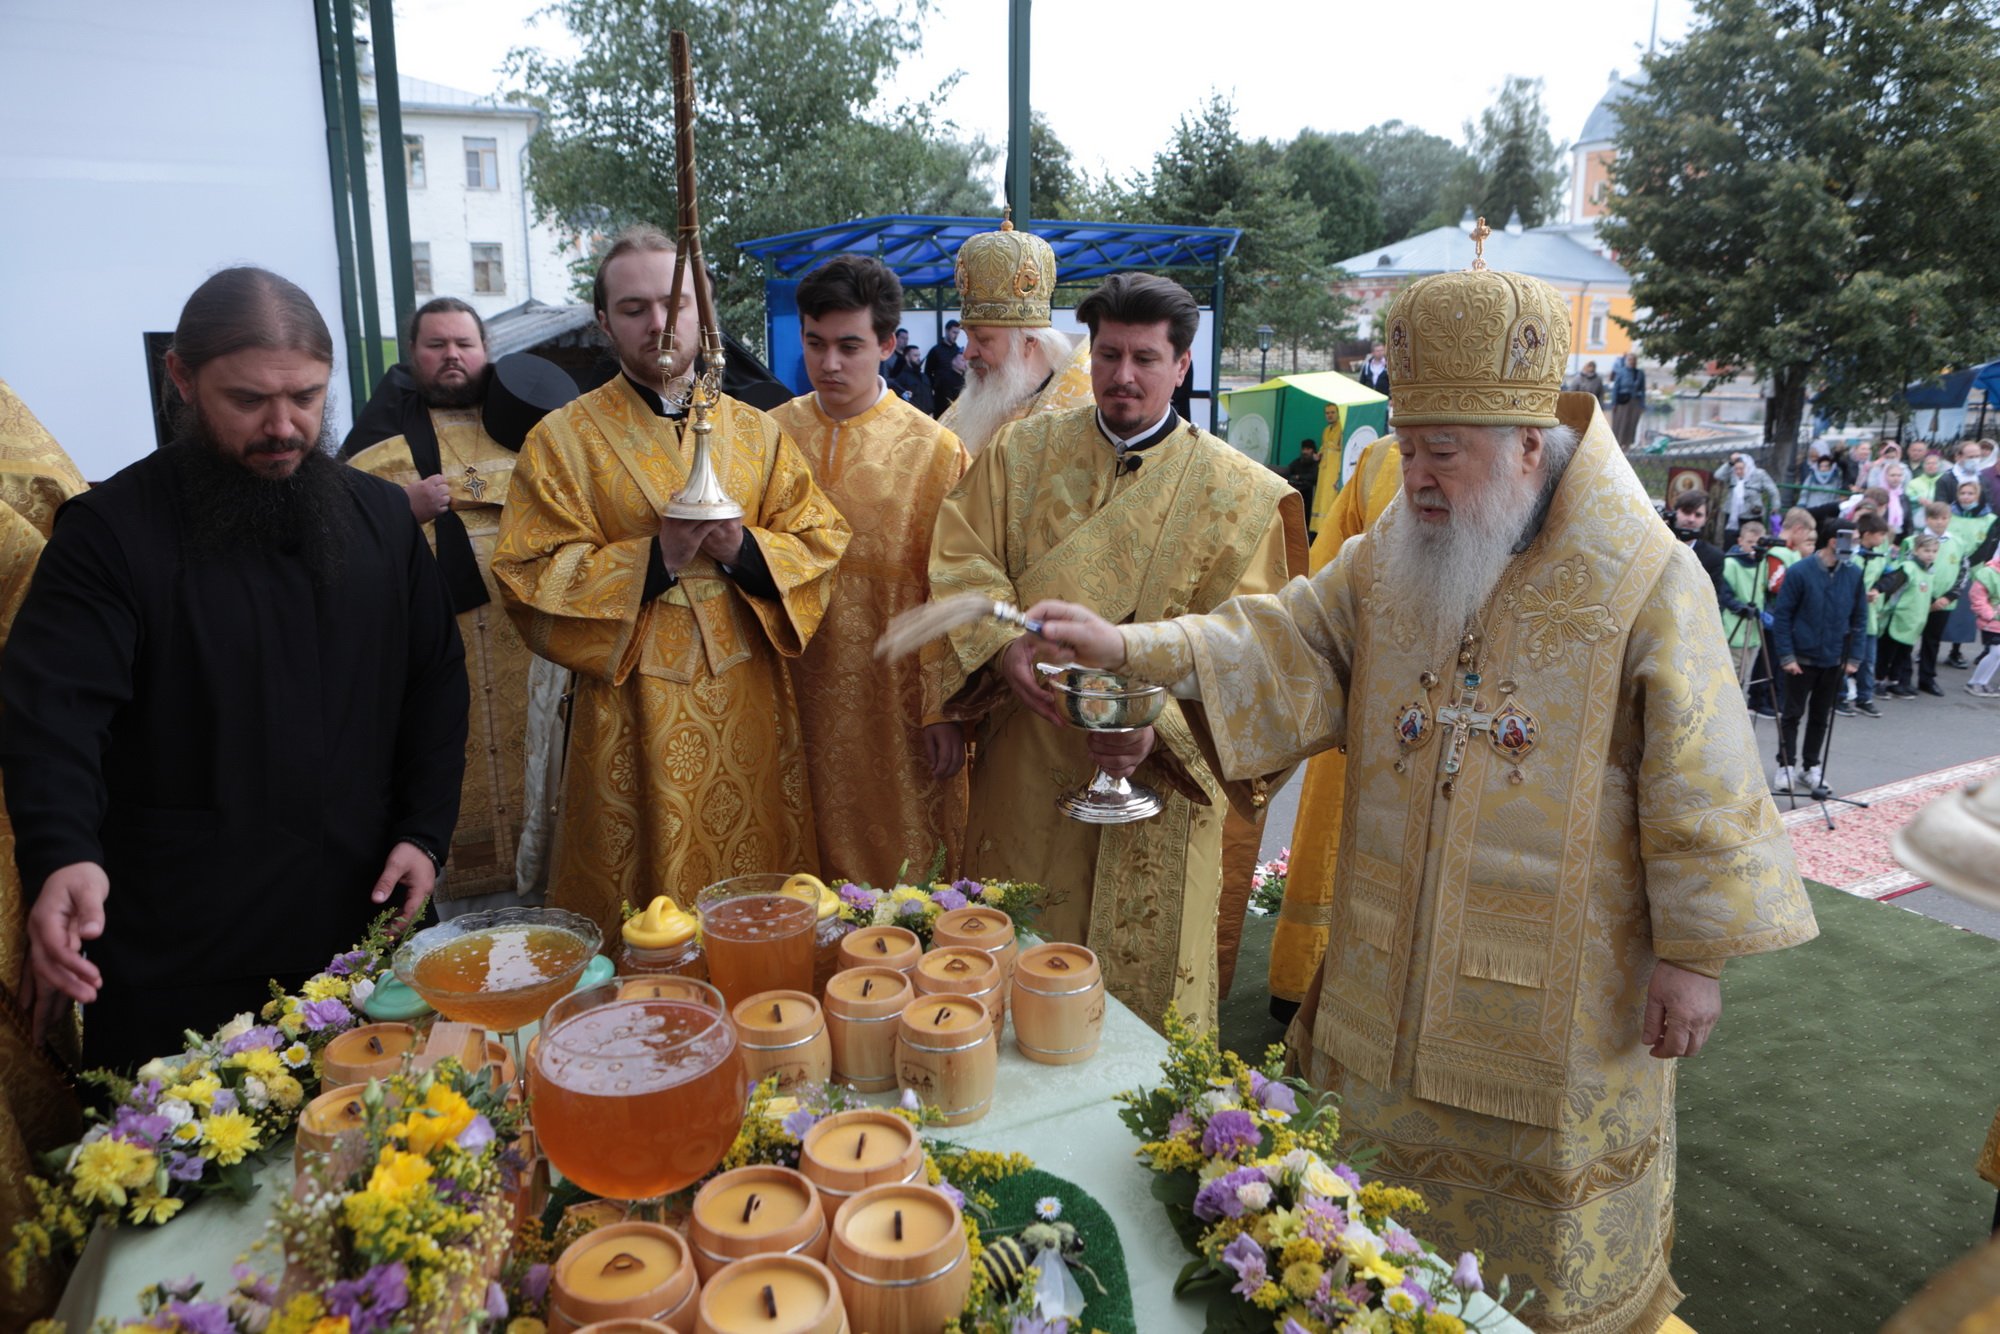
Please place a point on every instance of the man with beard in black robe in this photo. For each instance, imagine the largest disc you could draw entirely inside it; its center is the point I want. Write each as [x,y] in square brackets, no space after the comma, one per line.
[223,746]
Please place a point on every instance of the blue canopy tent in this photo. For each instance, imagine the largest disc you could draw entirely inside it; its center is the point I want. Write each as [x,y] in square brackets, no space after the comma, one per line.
[922,250]
[1945,397]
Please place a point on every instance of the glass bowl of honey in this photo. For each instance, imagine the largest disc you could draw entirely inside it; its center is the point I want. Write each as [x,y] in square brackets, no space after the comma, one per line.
[501,969]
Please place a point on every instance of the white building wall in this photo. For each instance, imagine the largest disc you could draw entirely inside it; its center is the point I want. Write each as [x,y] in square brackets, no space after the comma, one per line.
[452,216]
[147,145]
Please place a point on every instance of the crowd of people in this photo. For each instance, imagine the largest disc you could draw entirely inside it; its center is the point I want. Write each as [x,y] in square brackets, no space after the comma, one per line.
[1861,590]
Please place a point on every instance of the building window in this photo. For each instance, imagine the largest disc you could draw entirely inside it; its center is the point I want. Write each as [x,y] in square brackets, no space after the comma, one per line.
[1600,313]
[482,164]
[413,161]
[420,265]
[487,273]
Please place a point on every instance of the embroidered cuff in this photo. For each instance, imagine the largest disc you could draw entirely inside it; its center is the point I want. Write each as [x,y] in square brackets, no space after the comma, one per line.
[1157,651]
[1710,968]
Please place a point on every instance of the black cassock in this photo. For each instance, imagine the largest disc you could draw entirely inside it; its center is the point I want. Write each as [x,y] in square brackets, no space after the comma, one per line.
[237,748]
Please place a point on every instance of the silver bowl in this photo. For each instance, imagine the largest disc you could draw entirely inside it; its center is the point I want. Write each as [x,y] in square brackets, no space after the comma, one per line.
[1100,701]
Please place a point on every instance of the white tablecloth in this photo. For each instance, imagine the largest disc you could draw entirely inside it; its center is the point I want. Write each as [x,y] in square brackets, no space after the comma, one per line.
[1063,1117]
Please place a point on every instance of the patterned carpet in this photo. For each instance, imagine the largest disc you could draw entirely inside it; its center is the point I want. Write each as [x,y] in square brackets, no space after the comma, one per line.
[1854,855]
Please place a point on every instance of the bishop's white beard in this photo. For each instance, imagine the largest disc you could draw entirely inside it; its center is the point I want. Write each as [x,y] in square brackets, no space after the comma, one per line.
[1442,574]
[988,402]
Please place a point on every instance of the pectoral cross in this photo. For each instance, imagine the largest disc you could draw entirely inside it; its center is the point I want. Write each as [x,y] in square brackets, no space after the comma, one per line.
[1463,721]
[475,485]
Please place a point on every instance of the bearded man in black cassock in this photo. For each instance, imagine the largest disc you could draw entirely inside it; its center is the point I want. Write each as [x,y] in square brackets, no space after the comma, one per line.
[222,743]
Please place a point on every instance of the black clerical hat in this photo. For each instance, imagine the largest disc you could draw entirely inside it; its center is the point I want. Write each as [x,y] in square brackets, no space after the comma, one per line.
[523,389]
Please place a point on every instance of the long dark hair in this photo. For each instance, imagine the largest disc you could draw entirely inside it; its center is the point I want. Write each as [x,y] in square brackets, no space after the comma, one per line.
[244,307]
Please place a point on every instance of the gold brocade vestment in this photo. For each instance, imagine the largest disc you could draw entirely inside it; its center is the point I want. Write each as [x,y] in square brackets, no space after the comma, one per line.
[36,476]
[1067,388]
[684,765]
[875,804]
[1493,937]
[1300,938]
[1044,513]
[38,1108]
[496,661]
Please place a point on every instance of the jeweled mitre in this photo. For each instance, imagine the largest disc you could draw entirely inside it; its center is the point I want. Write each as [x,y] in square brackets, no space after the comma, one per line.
[1479,347]
[1006,278]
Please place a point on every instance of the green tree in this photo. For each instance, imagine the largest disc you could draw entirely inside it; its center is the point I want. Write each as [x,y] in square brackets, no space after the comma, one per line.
[1053,181]
[1208,176]
[1343,190]
[782,136]
[1804,190]
[1411,168]
[1513,165]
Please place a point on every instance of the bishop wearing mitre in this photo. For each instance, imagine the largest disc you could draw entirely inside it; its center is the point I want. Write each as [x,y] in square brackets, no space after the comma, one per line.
[1556,830]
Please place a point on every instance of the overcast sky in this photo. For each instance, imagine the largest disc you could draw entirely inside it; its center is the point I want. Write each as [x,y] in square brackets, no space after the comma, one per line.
[1114,76]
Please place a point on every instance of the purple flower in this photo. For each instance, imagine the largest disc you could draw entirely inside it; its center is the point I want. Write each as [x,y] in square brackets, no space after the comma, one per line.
[1179,1124]
[948,899]
[1360,1294]
[184,1167]
[181,1289]
[1246,1257]
[1218,1198]
[1418,1293]
[1230,1132]
[1396,1240]
[137,1127]
[199,1317]
[535,1283]
[222,1101]
[324,1014]
[797,1123]
[1034,1324]
[496,1301]
[972,889]
[1322,1220]
[1347,1174]
[952,1193]
[146,1096]
[261,1038]
[857,897]
[911,908]
[260,1287]
[344,964]
[1294,1327]
[1273,1095]
[368,1302]
[1465,1275]
[475,1136]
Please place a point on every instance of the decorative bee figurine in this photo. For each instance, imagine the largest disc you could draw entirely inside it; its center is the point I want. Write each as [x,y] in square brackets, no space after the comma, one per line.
[1008,1262]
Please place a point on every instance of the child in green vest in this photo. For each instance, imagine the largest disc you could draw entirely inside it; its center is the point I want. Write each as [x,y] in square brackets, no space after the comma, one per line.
[1984,590]
[1971,526]
[1871,536]
[1947,579]
[1903,609]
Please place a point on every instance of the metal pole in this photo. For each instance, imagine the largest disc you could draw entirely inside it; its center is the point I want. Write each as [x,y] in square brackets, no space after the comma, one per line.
[1215,352]
[1018,109]
[357,187]
[395,188]
[336,170]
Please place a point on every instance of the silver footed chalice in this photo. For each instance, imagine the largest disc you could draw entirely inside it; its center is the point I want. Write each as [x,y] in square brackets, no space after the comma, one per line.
[1099,701]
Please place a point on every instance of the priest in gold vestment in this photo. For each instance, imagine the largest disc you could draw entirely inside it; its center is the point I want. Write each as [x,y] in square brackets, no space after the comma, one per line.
[463,483]
[36,476]
[888,785]
[1136,510]
[1016,364]
[1300,938]
[684,764]
[1556,829]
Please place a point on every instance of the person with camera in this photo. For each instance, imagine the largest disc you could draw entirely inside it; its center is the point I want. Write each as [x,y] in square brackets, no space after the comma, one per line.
[1748,494]
[1817,623]
[1747,569]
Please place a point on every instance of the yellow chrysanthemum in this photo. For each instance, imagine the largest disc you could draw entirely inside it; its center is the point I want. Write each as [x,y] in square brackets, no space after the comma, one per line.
[1437,1322]
[1268,1297]
[1369,1262]
[291,1023]
[1301,1250]
[231,1135]
[1302,1279]
[526,1324]
[154,1208]
[329,1324]
[199,1091]
[398,1174]
[107,1168]
[286,1091]
[326,987]
[439,1120]
[261,1062]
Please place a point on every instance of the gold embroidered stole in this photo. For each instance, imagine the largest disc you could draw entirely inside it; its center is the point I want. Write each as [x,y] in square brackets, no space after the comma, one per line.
[1516,853]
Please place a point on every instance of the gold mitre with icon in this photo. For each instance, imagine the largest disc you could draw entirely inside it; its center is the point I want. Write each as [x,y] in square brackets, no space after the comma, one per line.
[1006,278]
[1476,348]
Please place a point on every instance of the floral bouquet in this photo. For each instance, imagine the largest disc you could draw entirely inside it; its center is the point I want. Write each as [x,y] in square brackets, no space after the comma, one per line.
[1286,1236]
[192,1124]
[1267,884]
[917,908]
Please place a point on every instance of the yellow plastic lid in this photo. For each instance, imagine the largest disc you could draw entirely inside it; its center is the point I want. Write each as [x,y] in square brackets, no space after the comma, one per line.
[829,899]
[663,925]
